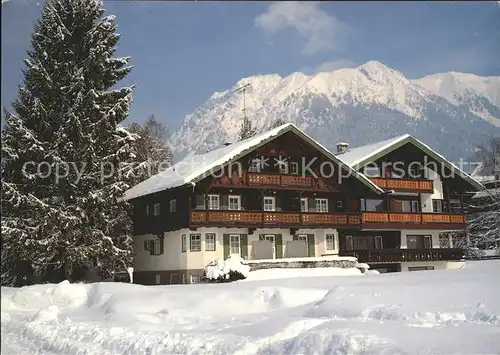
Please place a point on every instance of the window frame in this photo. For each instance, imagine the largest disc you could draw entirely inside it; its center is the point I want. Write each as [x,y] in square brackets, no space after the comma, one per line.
[318,204]
[237,197]
[349,243]
[252,168]
[294,168]
[238,238]
[330,245]
[210,200]
[156,209]
[183,243]
[306,204]
[436,203]
[379,238]
[213,236]
[172,205]
[273,204]
[191,243]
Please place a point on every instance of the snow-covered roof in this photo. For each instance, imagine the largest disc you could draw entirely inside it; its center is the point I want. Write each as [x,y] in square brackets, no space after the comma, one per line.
[487,193]
[360,156]
[195,167]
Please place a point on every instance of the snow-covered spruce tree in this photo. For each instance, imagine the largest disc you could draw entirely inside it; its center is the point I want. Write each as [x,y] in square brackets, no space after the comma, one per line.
[63,211]
[247,130]
[153,153]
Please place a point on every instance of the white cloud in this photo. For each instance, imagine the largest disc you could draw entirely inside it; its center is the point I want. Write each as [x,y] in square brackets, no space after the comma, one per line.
[322,32]
[330,66]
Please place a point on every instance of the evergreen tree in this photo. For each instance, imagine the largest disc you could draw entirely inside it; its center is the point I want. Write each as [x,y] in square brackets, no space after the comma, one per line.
[66,161]
[247,130]
[153,153]
[277,122]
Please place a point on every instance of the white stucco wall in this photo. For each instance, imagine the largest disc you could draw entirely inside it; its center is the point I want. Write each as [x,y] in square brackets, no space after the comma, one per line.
[438,265]
[433,233]
[426,201]
[171,259]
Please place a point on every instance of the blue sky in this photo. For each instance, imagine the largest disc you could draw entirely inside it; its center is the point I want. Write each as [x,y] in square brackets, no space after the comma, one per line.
[182,52]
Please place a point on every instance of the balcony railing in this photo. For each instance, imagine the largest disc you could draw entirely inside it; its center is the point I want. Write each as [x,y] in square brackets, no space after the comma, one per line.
[279,179]
[268,218]
[412,218]
[417,185]
[404,255]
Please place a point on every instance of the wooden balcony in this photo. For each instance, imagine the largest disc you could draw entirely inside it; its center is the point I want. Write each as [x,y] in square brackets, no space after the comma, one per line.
[405,185]
[404,255]
[268,219]
[402,220]
[256,179]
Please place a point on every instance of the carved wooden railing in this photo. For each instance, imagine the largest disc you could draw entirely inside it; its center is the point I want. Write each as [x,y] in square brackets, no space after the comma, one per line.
[404,184]
[412,218]
[272,218]
[404,255]
[278,179]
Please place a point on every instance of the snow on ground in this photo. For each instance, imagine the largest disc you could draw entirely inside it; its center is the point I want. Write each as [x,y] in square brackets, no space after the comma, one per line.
[426,312]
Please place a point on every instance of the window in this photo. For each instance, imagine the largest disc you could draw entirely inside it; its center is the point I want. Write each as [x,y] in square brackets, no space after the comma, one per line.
[184,243]
[172,205]
[437,206]
[304,205]
[419,241]
[340,205]
[330,242]
[210,241]
[147,210]
[294,168]
[156,209]
[254,166]
[195,279]
[348,242]
[200,201]
[372,204]
[234,244]
[269,203]
[154,246]
[234,202]
[283,168]
[157,279]
[147,245]
[213,202]
[322,205]
[420,268]
[379,242]
[414,206]
[174,279]
[195,242]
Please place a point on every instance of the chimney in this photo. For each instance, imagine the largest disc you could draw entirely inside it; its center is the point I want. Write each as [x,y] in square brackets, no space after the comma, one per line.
[342,147]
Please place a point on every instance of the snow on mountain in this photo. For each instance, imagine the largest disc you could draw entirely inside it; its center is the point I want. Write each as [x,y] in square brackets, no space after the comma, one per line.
[480,94]
[359,105]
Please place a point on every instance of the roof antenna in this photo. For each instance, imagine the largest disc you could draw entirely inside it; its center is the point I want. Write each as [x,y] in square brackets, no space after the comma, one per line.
[243,89]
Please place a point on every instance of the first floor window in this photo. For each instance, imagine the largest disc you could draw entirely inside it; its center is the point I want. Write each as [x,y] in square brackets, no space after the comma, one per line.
[234,244]
[209,241]
[156,209]
[184,243]
[235,202]
[379,242]
[213,202]
[437,206]
[269,203]
[195,244]
[294,168]
[173,205]
[322,205]
[303,205]
[330,242]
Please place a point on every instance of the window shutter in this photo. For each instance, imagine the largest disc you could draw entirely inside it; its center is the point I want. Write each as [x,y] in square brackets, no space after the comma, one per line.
[278,239]
[244,246]
[312,204]
[225,244]
[162,245]
[310,240]
[331,205]
[224,201]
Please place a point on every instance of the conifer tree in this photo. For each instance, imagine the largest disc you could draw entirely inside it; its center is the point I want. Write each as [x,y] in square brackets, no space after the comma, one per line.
[277,122]
[66,161]
[247,130]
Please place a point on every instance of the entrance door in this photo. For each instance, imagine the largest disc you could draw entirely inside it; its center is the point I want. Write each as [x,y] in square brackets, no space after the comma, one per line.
[271,238]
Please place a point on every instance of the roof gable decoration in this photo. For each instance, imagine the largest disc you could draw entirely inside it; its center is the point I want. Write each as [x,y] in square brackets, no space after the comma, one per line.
[361,156]
[194,168]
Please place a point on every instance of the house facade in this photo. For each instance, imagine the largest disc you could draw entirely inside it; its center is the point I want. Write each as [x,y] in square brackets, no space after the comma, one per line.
[280,194]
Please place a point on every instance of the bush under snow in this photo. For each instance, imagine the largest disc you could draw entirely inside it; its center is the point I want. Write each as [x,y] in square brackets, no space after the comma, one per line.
[232,269]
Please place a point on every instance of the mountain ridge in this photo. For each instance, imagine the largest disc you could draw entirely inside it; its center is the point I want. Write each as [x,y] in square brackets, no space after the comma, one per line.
[360,105]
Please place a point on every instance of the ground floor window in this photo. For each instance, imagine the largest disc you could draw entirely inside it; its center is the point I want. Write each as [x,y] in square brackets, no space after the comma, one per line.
[234,244]
[195,279]
[330,242]
[157,279]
